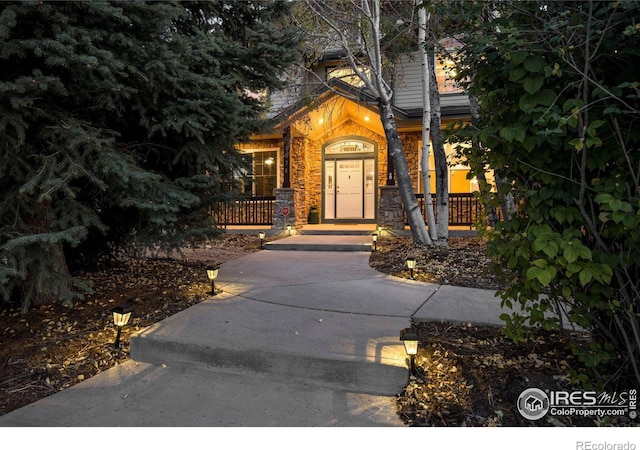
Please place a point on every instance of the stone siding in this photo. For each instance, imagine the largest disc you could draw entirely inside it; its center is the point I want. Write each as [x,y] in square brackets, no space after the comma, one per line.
[306,174]
[390,214]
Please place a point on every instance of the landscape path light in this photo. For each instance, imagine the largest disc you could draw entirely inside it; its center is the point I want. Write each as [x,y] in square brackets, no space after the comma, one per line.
[410,340]
[121,316]
[261,236]
[212,274]
[374,237]
[289,229]
[411,264]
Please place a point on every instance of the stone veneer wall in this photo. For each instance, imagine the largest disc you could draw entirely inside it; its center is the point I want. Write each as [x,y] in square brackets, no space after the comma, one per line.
[303,180]
[313,161]
[390,208]
[410,145]
[284,197]
[306,174]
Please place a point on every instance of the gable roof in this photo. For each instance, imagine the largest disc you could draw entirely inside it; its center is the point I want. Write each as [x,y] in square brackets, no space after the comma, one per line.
[324,93]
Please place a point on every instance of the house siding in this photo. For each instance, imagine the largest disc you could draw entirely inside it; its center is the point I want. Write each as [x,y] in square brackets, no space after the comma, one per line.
[407,83]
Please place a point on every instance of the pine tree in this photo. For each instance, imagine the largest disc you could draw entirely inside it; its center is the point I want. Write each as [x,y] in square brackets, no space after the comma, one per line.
[118,122]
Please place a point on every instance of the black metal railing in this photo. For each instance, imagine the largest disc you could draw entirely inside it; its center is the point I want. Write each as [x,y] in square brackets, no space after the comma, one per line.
[249,211]
[464,209]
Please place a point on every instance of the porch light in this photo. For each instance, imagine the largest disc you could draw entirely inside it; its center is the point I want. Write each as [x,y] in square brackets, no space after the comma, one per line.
[410,340]
[121,316]
[261,236]
[411,264]
[212,274]
[374,237]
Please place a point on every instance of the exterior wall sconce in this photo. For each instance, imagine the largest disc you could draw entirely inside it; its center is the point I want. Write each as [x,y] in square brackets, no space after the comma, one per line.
[411,264]
[121,316]
[411,340]
[212,274]
[374,237]
[261,236]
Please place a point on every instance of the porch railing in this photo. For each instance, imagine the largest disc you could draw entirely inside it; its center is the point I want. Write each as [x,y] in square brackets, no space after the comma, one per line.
[464,209]
[249,211]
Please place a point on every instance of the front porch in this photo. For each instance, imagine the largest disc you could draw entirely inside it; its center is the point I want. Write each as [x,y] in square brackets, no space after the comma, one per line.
[266,213]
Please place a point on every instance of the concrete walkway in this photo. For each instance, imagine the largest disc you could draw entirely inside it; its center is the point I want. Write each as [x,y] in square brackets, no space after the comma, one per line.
[295,338]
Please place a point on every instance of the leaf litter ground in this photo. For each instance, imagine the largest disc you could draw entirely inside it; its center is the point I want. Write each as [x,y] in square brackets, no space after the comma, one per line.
[465,375]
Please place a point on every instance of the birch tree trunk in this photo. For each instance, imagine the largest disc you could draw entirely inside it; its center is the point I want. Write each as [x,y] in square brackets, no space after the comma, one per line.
[439,155]
[403,177]
[426,123]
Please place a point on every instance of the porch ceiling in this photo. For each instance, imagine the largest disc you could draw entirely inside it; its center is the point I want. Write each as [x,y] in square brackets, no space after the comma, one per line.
[330,111]
[333,113]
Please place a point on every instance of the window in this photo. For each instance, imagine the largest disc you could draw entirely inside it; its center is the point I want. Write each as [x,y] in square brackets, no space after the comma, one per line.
[346,74]
[458,171]
[263,179]
[445,72]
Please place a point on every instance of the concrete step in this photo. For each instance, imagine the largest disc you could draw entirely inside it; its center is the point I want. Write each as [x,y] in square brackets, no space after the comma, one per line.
[323,242]
[336,232]
[357,352]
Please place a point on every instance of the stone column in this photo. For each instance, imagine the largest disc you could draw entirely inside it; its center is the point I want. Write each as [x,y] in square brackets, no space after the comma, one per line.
[390,213]
[284,199]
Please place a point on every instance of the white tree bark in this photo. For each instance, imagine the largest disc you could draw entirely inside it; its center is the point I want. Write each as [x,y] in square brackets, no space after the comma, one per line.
[403,177]
[439,156]
[423,21]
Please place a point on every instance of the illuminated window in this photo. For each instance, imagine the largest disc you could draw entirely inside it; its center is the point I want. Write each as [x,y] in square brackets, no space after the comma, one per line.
[263,179]
[347,75]
[458,181]
[445,74]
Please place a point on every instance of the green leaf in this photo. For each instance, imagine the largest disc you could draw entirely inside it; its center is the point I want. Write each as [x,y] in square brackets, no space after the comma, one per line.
[532,84]
[571,104]
[529,143]
[527,102]
[618,216]
[542,263]
[513,134]
[516,73]
[551,250]
[546,97]
[543,275]
[584,252]
[534,64]
[518,56]
[577,143]
[585,276]
[603,198]
[546,276]
[571,254]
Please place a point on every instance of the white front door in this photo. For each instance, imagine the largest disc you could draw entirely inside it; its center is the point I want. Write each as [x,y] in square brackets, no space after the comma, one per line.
[349,189]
